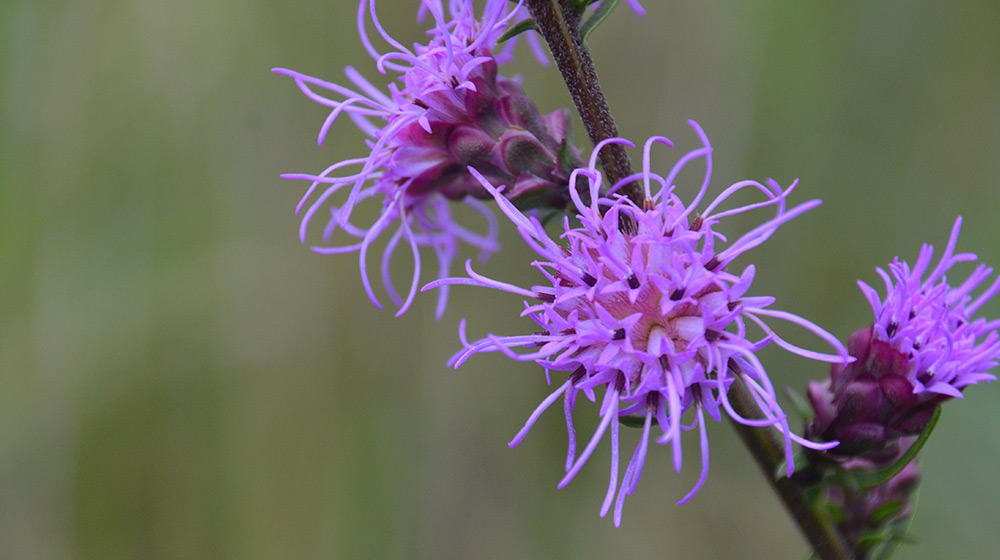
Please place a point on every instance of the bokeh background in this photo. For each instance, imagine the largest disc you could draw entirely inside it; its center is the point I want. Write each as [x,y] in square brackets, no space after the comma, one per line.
[180,378]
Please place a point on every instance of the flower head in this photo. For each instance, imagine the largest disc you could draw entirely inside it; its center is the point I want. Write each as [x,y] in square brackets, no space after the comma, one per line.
[653,315]
[447,109]
[924,347]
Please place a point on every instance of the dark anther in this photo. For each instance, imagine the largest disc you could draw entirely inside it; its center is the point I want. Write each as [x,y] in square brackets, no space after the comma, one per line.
[734,367]
[420,104]
[589,280]
[733,305]
[668,233]
[454,82]
[620,382]
[917,345]
[619,335]
[913,314]
[696,223]
[712,264]
[577,374]
[547,298]
[540,343]
[677,294]
[665,362]
[712,336]
[892,328]
[633,282]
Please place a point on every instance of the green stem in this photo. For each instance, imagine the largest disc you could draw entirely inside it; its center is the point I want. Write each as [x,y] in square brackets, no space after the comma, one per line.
[561,30]
[768,451]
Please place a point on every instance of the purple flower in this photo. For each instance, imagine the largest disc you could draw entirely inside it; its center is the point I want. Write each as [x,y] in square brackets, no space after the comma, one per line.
[931,322]
[653,315]
[924,347]
[448,109]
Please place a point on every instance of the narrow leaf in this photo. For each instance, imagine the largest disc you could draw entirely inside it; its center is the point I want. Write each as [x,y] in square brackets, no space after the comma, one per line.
[866,480]
[579,6]
[800,404]
[632,421]
[517,29]
[596,18]
[567,163]
[899,531]
[885,512]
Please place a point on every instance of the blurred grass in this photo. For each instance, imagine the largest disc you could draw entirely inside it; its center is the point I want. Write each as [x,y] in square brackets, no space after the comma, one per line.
[179,378]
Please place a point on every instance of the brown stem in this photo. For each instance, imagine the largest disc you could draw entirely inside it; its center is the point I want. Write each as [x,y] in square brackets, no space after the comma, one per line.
[769,453]
[561,30]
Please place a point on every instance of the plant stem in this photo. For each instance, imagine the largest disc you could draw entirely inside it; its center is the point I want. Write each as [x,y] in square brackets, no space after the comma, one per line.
[561,30]
[769,453]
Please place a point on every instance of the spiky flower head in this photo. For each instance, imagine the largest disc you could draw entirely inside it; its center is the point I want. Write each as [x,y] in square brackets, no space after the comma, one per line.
[924,347]
[653,314]
[447,109]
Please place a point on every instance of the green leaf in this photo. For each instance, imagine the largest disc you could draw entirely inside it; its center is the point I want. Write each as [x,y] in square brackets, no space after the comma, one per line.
[578,6]
[567,161]
[835,512]
[536,199]
[871,540]
[517,29]
[599,15]
[900,532]
[632,421]
[798,458]
[866,480]
[800,404]
[886,551]
[884,513]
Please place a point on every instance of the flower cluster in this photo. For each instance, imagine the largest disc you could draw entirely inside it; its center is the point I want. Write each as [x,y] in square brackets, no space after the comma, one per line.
[924,348]
[447,110]
[652,314]
[638,304]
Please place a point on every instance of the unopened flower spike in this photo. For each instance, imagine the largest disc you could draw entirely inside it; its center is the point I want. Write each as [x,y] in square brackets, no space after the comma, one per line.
[653,315]
[446,110]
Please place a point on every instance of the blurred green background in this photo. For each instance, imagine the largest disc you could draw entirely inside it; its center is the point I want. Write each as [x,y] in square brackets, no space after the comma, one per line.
[179,378]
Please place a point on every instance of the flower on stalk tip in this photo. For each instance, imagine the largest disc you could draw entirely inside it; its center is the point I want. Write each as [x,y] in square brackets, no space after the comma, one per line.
[924,347]
[447,109]
[653,314]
